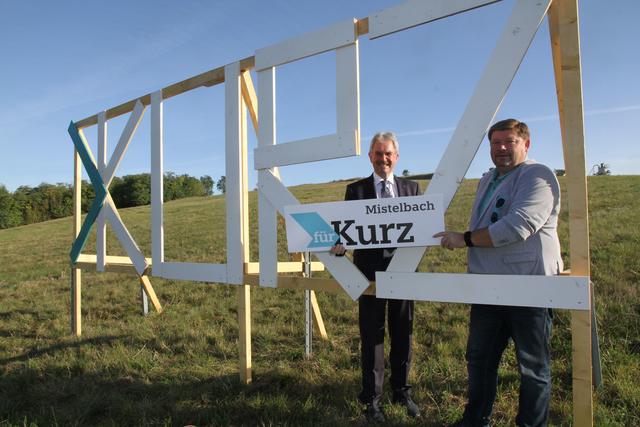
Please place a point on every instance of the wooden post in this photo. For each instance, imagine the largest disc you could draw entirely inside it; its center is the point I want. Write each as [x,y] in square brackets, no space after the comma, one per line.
[244,291]
[312,303]
[76,274]
[317,315]
[565,42]
[145,284]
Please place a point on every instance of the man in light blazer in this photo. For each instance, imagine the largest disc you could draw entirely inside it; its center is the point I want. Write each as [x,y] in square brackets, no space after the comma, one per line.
[513,230]
[383,154]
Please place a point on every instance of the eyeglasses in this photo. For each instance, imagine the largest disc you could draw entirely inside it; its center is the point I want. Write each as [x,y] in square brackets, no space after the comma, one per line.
[494,214]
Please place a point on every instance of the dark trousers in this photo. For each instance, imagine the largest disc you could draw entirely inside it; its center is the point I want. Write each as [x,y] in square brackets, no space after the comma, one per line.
[371,316]
[490,328]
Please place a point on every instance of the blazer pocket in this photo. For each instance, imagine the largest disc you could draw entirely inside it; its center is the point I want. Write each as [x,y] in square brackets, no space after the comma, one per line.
[519,257]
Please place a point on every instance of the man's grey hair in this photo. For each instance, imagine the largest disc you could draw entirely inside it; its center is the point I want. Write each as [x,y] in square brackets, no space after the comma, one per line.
[385,136]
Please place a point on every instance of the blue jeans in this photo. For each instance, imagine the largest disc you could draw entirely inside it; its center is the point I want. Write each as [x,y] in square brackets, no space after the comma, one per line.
[490,328]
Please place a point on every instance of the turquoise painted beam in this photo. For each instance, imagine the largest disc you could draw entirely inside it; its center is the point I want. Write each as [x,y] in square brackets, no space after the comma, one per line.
[82,147]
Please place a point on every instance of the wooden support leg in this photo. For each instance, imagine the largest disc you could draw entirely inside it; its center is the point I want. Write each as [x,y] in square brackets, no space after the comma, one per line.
[565,47]
[76,297]
[76,273]
[581,367]
[317,315]
[244,322]
[146,284]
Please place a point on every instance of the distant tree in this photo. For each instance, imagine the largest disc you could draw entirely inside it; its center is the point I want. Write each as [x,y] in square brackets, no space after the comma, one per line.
[222,184]
[192,187]
[560,172]
[405,172]
[29,205]
[207,183]
[88,193]
[135,190]
[10,213]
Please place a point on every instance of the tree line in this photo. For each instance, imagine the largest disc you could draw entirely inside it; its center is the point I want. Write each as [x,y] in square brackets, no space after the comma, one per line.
[28,205]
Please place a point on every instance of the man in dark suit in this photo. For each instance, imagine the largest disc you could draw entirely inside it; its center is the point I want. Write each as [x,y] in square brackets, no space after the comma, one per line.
[383,154]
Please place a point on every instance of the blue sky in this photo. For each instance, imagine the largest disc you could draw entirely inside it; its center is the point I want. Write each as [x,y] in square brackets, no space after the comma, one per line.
[65,61]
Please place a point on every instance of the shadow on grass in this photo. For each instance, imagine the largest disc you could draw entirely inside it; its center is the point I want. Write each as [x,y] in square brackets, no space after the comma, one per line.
[51,350]
[59,396]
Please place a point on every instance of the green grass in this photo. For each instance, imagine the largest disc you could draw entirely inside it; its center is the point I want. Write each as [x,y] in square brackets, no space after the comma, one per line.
[180,367]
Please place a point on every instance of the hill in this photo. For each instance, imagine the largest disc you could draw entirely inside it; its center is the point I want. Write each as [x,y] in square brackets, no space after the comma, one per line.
[180,367]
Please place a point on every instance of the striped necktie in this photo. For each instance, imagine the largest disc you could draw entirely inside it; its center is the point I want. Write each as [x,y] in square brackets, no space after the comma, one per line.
[385,194]
[384,189]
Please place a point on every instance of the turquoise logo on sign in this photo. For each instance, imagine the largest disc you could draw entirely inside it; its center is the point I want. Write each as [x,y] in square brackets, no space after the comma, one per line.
[322,235]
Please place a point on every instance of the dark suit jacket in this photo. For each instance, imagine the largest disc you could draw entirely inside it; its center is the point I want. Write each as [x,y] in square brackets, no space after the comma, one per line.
[371,260]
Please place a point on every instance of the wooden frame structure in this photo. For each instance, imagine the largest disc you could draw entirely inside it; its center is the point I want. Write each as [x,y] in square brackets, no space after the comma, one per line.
[240,96]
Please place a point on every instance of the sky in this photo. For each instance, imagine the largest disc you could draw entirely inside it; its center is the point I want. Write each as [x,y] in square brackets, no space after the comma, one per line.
[64,61]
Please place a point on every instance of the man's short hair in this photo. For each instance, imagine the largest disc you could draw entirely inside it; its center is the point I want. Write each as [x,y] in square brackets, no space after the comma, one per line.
[385,136]
[520,128]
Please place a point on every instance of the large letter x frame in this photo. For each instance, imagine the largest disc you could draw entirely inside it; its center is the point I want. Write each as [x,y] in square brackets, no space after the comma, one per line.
[103,199]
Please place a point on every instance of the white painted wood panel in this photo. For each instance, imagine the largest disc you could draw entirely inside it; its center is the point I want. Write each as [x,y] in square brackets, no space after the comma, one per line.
[123,143]
[233,173]
[276,193]
[195,271]
[101,228]
[415,12]
[131,248]
[307,150]
[348,91]
[157,183]
[480,111]
[267,238]
[337,35]
[267,218]
[567,292]
[346,273]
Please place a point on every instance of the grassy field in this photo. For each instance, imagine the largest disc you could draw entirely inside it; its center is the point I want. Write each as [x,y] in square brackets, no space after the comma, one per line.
[180,367]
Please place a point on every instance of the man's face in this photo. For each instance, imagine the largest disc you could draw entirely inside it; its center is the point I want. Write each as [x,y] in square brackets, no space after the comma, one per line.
[508,150]
[383,157]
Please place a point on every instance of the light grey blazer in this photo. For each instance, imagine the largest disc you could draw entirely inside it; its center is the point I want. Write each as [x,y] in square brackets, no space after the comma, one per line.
[524,232]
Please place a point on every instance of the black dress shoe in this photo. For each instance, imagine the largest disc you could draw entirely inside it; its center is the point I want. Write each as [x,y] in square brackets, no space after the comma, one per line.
[406,401]
[485,422]
[373,414]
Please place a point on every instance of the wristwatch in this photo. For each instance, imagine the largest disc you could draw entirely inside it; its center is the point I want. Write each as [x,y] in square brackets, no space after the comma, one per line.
[467,239]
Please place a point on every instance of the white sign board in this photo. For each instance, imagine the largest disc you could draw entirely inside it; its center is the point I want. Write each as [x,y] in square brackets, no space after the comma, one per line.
[365,224]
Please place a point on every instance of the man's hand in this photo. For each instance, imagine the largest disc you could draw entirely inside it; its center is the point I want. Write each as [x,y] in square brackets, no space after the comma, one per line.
[451,239]
[338,249]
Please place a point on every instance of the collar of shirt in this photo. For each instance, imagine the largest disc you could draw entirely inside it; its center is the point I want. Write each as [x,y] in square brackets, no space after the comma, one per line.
[376,183]
[496,180]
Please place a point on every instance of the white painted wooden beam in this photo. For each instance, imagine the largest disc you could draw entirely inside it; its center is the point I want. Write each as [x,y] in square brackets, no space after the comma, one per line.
[101,229]
[276,193]
[565,292]
[123,143]
[415,12]
[307,150]
[233,172]
[157,183]
[125,238]
[195,271]
[348,91]
[332,37]
[267,218]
